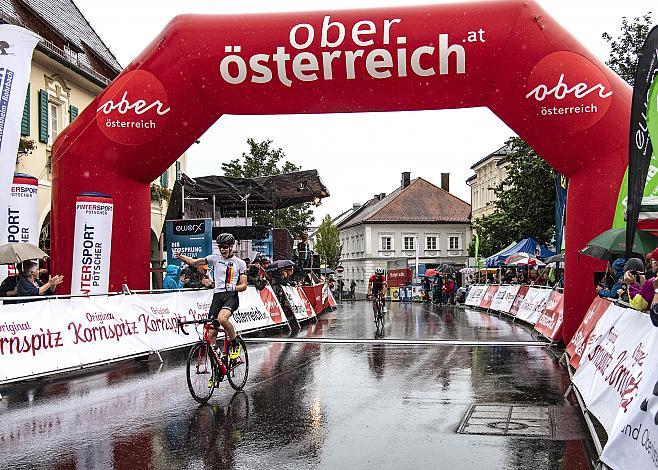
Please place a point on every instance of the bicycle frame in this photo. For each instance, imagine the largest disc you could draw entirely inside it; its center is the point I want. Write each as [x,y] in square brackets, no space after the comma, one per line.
[207,325]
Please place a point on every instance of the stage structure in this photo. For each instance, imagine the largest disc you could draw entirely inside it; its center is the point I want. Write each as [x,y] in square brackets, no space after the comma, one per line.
[509,56]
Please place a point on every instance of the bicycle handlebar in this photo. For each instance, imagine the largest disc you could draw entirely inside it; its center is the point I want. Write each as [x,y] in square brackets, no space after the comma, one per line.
[204,321]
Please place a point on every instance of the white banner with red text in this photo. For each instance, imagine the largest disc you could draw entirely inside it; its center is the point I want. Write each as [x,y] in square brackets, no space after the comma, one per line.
[299,303]
[52,335]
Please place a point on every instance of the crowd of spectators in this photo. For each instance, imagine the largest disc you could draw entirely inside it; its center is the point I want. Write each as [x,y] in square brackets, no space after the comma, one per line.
[633,281]
[544,276]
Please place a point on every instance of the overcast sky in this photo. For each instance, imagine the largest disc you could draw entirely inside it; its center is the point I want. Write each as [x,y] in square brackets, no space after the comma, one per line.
[379,145]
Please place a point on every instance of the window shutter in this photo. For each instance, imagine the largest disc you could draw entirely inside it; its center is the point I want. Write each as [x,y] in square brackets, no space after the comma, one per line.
[25,122]
[164,179]
[43,116]
[177,170]
[73,112]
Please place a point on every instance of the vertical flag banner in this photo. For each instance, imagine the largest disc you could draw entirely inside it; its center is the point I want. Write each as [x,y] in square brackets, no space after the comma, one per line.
[640,150]
[92,244]
[561,184]
[16,47]
[21,222]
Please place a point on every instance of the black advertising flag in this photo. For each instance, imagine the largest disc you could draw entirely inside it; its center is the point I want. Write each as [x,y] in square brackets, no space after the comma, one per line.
[640,148]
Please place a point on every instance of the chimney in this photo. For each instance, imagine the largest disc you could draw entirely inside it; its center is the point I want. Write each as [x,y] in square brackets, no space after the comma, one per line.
[406,179]
[445,182]
[382,196]
[355,206]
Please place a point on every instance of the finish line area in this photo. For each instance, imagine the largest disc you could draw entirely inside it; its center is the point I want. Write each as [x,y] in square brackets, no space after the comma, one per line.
[399,342]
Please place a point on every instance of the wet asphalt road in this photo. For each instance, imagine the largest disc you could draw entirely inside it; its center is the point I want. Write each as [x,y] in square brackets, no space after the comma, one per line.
[309,405]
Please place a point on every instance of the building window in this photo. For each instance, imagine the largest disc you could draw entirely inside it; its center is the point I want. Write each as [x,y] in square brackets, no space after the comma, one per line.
[430,243]
[409,243]
[453,242]
[54,121]
[386,243]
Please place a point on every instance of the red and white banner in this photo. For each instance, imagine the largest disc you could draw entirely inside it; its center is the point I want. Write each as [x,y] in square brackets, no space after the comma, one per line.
[320,297]
[51,335]
[518,300]
[533,305]
[633,440]
[550,321]
[21,223]
[613,363]
[488,296]
[300,305]
[475,294]
[579,340]
[92,244]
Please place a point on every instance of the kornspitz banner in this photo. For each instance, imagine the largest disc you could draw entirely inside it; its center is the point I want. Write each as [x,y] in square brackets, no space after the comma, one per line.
[16,47]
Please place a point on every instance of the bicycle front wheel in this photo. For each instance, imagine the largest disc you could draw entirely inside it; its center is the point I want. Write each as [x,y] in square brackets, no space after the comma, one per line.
[238,369]
[200,372]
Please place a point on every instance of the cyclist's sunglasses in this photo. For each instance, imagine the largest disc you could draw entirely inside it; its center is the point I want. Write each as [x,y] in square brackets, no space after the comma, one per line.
[225,247]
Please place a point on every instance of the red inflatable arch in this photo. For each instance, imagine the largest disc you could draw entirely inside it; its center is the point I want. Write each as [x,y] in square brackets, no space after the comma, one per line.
[509,56]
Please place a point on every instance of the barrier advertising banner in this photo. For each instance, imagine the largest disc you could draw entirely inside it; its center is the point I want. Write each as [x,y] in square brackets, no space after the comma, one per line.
[488,296]
[508,298]
[300,305]
[550,321]
[15,64]
[52,335]
[633,440]
[21,224]
[533,305]
[92,244]
[611,368]
[579,340]
[518,300]
[499,298]
[475,294]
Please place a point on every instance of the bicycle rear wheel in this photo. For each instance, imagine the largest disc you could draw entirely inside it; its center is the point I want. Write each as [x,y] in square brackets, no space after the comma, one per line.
[200,372]
[238,369]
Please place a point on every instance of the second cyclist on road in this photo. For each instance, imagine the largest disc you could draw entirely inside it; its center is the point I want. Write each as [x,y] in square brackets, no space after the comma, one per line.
[377,287]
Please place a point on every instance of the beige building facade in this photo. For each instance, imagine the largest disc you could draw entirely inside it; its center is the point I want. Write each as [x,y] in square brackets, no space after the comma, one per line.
[489,173]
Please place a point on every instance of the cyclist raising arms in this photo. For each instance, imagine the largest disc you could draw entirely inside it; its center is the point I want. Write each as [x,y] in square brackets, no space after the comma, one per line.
[377,286]
[230,274]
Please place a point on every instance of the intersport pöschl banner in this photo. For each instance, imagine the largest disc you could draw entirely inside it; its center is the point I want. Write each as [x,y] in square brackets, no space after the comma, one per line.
[92,245]
[15,64]
[499,297]
[507,301]
[52,335]
[21,224]
[488,297]
[612,366]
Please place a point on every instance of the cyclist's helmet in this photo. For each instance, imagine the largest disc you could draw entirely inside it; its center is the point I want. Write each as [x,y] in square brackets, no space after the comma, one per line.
[379,271]
[225,239]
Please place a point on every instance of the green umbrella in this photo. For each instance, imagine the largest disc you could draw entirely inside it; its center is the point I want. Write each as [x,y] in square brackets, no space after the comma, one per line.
[612,244]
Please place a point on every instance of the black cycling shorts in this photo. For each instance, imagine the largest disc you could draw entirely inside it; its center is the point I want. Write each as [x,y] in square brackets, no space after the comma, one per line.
[223,300]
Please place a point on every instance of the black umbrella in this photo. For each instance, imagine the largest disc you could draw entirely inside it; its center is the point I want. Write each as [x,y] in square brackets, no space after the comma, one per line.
[327,271]
[446,268]
[279,264]
[559,258]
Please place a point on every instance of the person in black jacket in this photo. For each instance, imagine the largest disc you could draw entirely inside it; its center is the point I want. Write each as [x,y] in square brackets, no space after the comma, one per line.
[29,284]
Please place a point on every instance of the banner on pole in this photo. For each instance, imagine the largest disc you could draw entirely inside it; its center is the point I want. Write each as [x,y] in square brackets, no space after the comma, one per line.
[15,64]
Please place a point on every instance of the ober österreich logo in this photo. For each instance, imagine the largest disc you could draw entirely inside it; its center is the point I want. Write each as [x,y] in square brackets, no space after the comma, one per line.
[134,109]
[567,92]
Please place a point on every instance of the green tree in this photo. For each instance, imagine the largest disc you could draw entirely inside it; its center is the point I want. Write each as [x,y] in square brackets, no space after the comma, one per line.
[625,49]
[328,243]
[264,160]
[526,202]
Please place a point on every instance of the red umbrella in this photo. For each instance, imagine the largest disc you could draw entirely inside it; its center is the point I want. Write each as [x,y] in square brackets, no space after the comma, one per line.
[431,272]
[523,259]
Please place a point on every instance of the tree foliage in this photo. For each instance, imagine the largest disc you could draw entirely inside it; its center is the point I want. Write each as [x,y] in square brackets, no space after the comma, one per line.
[626,48]
[264,160]
[526,202]
[327,243]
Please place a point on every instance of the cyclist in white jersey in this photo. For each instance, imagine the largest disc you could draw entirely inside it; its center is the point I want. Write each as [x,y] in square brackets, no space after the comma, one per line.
[230,274]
